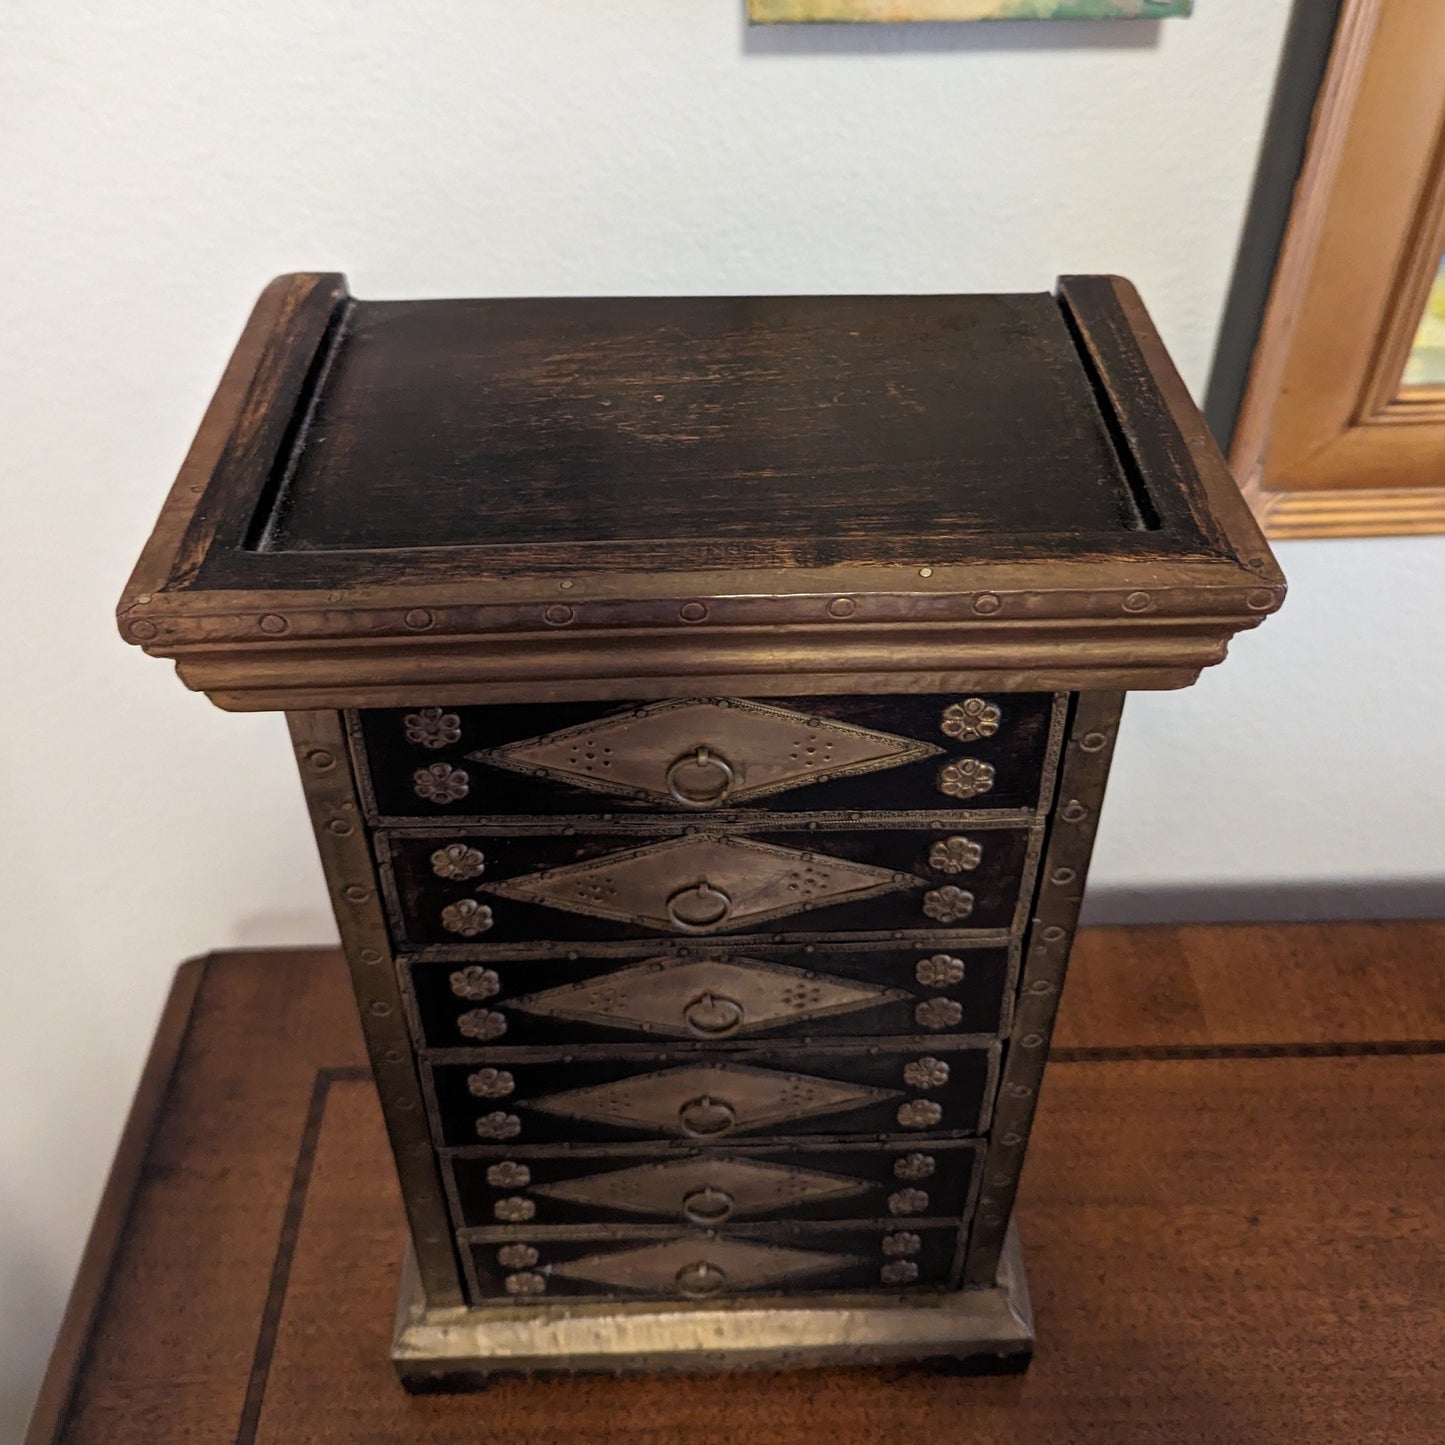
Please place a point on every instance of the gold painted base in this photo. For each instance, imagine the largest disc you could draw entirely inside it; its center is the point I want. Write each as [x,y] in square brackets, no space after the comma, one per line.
[980,1330]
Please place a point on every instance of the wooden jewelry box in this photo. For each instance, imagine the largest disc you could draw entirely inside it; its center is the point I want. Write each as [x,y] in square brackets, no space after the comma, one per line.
[704,708]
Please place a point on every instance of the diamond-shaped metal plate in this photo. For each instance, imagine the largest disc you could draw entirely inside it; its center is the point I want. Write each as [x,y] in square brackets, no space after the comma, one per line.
[749,750]
[706,998]
[710,1100]
[706,1191]
[695,1268]
[701,883]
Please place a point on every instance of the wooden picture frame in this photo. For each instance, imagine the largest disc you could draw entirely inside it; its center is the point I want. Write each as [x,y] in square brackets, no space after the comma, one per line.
[784,12]
[1327,442]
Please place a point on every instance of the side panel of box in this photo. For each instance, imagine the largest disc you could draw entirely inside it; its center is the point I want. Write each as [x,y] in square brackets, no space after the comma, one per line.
[319,739]
[1093,729]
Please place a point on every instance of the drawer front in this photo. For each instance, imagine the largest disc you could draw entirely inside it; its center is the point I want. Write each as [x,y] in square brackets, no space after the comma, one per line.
[721,995]
[698,755]
[526,1266]
[507,1096]
[479,887]
[712,1187]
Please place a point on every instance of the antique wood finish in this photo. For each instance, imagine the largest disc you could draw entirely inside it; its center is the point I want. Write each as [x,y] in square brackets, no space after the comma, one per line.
[1249,1110]
[108,1233]
[704,708]
[961,589]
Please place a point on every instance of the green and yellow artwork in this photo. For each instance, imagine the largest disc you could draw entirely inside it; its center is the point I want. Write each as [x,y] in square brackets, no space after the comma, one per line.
[776,12]
[1426,363]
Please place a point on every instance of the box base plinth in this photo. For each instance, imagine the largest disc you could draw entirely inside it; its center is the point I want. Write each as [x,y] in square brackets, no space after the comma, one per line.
[980,1331]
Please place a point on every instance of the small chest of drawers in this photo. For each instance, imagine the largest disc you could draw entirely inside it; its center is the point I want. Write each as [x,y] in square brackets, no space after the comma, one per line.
[736,968]
[704,709]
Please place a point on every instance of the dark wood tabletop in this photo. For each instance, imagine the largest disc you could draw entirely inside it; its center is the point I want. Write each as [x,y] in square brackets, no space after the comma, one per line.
[1231,1217]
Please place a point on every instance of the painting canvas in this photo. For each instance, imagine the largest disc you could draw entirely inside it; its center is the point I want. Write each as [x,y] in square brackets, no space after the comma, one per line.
[1426,363]
[781,11]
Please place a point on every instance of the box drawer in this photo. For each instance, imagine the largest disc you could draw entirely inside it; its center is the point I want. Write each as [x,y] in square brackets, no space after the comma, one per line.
[526,1266]
[722,994]
[487,887]
[699,755]
[568,1185]
[502,1095]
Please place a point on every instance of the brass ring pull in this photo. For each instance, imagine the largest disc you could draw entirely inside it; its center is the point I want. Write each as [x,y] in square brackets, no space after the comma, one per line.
[699,906]
[699,1278]
[712,1015]
[706,1117]
[707,1205]
[700,778]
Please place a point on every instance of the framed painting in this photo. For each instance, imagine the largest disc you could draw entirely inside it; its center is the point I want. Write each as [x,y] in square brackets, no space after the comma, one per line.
[774,12]
[1341,432]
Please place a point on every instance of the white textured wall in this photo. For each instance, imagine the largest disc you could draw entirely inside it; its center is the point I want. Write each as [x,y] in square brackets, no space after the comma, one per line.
[160,161]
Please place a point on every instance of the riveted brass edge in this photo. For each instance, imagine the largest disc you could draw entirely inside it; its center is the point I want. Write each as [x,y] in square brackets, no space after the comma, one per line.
[1067,853]
[1035,592]
[319,740]
[1071,669]
[278,684]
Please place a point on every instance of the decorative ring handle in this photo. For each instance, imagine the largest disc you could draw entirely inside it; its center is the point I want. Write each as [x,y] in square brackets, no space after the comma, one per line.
[699,906]
[699,1278]
[714,784]
[707,1205]
[712,1015]
[706,1117]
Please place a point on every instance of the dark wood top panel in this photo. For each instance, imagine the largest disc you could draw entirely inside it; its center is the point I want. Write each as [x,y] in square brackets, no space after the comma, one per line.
[885,493]
[799,431]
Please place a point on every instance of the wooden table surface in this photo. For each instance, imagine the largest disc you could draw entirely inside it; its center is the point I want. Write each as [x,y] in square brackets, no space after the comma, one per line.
[1233,1217]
